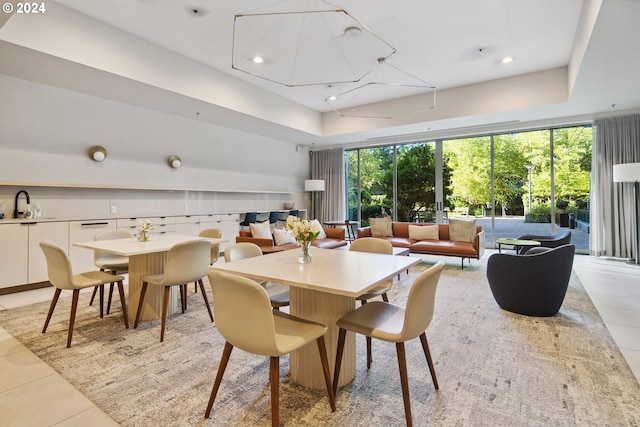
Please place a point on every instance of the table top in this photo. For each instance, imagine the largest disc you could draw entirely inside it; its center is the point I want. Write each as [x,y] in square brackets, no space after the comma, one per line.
[517,242]
[131,246]
[347,273]
[334,223]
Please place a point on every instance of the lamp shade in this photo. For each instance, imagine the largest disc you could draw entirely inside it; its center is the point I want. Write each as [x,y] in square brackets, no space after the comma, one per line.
[314,185]
[626,172]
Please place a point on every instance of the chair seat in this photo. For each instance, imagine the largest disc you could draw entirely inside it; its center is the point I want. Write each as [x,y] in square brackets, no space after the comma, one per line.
[114,265]
[293,332]
[155,279]
[94,278]
[376,319]
[278,294]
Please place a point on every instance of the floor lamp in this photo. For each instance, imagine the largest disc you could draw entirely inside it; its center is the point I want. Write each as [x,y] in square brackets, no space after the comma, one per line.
[630,172]
[314,185]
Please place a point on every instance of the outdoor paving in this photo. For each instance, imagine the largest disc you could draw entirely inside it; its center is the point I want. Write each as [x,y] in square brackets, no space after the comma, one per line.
[512,227]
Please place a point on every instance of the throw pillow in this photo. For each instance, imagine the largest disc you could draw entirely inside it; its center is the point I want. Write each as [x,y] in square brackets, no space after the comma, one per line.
[424,232]
[381,227]
[462,230]
[322,234]
[261,230]
[283,237]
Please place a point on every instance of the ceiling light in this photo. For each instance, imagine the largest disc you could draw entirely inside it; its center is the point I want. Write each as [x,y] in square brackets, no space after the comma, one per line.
[175,162]
[507,59]
[301,38]
[258,59]
[97,153]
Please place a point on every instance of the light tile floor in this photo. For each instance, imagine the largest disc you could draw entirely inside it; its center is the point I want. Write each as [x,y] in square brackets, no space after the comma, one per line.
[33,394]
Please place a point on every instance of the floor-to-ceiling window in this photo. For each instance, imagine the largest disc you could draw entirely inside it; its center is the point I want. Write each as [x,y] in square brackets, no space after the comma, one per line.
[512,183]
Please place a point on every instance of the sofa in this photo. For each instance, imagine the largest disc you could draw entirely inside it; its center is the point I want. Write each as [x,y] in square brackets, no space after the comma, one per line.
[443,245]
[335,239]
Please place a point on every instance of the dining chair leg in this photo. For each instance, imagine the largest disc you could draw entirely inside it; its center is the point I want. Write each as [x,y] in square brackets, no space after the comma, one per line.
[93,295]
[342,333]
[226,353]
[110,297]
[165,303]
[274,380]
[427,353]
[184,288]
[385,298]
[143,291]
[181,297]
[52,307]
[72,316]
[101,301]
[123,303]
[369,355]
[322,349]
[205,298]
[404,381]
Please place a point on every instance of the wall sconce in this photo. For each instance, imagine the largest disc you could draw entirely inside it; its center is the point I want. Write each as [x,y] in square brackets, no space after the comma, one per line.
[175,162]
[97,153]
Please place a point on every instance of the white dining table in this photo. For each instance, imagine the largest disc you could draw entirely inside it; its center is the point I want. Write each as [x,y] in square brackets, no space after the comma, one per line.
[147,257]
[322,291]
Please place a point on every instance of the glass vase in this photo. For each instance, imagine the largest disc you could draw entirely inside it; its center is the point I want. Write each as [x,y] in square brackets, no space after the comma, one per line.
[305,252]
[142,236]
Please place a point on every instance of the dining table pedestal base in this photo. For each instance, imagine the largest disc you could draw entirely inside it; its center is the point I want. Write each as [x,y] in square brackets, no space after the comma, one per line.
[141,265]
[324,308]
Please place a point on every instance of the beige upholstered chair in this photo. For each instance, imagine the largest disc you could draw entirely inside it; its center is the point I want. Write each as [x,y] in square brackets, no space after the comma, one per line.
[115,264]
[212,233]
[378,246]
[393,323]
[186,262]
[62,277]
[278,293]
[265,332]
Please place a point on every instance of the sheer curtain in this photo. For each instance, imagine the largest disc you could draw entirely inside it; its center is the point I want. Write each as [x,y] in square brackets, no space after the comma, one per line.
[613,228]
[329,166]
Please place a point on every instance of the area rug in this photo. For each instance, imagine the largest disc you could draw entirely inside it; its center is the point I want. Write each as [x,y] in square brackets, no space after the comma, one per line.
[495,368]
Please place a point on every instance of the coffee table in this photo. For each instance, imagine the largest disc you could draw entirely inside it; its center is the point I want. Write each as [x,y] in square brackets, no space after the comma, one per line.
[518,244]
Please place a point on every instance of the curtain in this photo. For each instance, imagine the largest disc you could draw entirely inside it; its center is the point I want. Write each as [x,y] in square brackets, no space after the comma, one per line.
[329,166]
[613,223]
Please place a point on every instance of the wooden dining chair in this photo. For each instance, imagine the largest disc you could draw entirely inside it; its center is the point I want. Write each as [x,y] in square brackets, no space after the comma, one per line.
[393,323]
[265,332]
[61,276]
[186,262]
[377,246]
[114,264]
[278,293]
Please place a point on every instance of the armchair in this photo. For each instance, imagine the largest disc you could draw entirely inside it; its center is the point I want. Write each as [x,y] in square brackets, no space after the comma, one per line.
[534,283]
[550,241]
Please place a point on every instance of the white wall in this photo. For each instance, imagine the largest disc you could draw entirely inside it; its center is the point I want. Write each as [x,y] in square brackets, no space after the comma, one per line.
[46,132]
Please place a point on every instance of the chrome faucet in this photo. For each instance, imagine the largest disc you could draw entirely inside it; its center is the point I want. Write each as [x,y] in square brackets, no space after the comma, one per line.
[16,212]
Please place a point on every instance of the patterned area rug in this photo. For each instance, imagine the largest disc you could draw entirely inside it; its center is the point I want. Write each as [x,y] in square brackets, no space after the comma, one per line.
[495,368]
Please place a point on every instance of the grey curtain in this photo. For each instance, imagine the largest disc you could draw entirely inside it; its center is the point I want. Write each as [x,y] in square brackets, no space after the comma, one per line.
[613,223]
[329,166]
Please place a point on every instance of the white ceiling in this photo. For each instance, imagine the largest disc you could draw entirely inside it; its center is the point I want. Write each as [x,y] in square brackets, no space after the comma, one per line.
[580,56]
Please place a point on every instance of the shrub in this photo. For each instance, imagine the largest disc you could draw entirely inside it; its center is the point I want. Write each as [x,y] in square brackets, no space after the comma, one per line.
[539,214]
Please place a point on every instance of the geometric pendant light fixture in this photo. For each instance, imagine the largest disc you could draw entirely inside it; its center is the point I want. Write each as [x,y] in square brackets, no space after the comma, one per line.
[305,43]
[380,87]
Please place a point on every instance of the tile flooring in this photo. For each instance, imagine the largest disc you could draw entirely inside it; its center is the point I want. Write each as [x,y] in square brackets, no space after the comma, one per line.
[33,394]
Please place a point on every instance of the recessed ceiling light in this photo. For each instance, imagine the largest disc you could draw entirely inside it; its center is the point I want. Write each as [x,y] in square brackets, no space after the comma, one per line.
[507,59]
[258,59]
[332,98]
[352,32]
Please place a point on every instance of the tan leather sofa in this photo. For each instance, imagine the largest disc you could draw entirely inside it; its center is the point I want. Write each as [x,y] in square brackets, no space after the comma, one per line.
[444,246]
[334,239]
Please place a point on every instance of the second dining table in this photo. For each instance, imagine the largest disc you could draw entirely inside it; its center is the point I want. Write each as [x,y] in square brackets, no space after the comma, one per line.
[145,258]
[322,291]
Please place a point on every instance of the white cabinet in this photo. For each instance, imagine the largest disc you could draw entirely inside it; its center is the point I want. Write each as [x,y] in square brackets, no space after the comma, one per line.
[188,225]
[56,233]
[14,254]
[159,225]
[85,231]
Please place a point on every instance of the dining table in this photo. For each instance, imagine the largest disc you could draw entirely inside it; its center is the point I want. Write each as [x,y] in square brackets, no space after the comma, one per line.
[145,258]
[322,291]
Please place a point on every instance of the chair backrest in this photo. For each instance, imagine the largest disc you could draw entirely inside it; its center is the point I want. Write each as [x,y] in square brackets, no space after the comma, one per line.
[213,233]
[250,218]
[294,212]
[100,257]
[58,266]
[252,328]
[274,216]
[241,250]
[421,302]
[187,262]
[372,244]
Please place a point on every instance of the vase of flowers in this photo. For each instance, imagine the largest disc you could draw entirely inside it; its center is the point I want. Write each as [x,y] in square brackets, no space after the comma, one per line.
[145,226]
[304,232]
